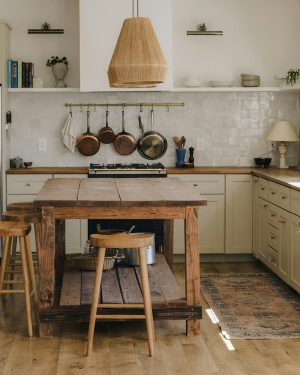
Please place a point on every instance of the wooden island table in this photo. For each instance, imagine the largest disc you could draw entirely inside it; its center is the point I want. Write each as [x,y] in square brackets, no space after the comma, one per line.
[124,198]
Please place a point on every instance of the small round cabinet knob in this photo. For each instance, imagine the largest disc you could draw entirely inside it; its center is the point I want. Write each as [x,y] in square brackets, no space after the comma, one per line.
[28,184]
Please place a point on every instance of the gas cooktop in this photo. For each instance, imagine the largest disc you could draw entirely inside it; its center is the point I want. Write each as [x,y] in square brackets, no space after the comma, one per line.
[127,170]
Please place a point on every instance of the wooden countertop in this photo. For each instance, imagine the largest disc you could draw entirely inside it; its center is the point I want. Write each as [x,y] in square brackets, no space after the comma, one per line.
[170,170]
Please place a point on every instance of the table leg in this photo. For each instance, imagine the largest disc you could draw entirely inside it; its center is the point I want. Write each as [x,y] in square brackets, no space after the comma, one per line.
[168,232]
[47,267]
[60,252]
[192,264]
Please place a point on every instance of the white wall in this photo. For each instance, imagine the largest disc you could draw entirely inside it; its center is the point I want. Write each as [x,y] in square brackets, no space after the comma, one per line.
[260,37]
[30,14]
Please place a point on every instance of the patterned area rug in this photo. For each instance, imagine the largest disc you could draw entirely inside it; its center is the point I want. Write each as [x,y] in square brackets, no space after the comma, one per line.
[252,306]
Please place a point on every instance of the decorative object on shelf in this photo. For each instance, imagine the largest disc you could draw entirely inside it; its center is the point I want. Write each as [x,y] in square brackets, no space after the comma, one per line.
[202,30]
[201,27]
[59,68]
[16,162]
[27,164]
[191,158]
[180,151]
[221,83]
[137,60]
[282,132]
[45,29]
[250,80]
[292,76]
[192,80]
[262,162]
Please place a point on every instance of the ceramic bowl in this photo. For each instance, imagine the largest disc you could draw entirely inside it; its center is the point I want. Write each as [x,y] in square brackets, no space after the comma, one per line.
[263,162]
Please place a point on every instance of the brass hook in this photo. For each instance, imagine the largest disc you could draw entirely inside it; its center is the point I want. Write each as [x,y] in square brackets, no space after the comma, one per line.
[141,107]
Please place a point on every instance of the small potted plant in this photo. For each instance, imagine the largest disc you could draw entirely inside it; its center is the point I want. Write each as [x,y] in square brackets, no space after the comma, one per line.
[59,68]
[292,76]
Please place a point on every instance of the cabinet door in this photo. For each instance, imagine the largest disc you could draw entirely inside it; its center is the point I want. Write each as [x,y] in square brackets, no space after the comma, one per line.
[76,230]
[211,227]
[238,214]
[255,222]
[263,213]
[100,25]
[295,252]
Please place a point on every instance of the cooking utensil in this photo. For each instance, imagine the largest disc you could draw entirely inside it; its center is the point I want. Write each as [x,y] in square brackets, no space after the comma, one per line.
[132,256]
[124,142]
[177,141]
[106,134]
[88,143]
[152,145]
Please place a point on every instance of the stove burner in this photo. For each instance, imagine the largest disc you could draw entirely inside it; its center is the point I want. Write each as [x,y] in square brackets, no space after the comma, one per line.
[127,170]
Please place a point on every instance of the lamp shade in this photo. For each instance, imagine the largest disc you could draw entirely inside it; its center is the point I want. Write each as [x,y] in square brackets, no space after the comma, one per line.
[282,131]
[138,60]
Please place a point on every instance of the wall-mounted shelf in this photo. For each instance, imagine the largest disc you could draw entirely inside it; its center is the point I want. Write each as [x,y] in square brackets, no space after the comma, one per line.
[204,32]
[46,89]
[226,89]
[42,31]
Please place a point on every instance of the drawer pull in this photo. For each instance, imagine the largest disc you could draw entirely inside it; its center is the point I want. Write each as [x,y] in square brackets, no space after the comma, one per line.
[282,222]
[273,238]
[28,184]
[195,184]
[273,192]
[273,215]
[262,188]
[283,197]
[265,205]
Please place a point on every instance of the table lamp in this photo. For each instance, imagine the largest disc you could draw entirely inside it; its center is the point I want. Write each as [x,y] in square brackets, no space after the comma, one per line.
[282,132]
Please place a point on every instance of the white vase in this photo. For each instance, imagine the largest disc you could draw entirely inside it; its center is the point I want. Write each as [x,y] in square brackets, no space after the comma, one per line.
[60,70]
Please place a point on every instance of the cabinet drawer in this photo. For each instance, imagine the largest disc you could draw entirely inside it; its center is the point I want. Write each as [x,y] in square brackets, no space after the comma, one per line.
[26,184]
[273,238]
[295,202]
[273,257]
[279,195]
[263,188]
[206,184]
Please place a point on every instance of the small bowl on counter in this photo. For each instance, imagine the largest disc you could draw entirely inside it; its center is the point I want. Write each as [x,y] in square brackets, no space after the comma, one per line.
[27,164]
[262,162]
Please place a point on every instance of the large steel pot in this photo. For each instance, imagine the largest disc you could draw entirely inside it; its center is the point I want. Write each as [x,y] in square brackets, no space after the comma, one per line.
[132,255]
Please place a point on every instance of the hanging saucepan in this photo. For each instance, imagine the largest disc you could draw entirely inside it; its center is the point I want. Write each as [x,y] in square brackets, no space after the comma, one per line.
[106,134]
[124,143]
[151,145]
[88,143]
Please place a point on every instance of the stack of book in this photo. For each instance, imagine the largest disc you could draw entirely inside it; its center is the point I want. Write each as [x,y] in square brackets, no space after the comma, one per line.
[19,74]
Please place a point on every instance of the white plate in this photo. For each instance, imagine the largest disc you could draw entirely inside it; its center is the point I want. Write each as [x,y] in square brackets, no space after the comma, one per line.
[221,83]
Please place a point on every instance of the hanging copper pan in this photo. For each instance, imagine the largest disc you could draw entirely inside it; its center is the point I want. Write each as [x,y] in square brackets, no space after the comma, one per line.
[106,134]
[124,143]
[88,143]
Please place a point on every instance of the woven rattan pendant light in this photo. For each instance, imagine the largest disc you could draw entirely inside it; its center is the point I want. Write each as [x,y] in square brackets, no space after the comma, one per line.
[138,60]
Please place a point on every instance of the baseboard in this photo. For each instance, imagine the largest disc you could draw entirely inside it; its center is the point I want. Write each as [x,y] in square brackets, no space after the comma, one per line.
[179,258]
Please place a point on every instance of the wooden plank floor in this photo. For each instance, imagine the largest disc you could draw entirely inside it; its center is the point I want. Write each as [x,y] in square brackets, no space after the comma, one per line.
[121,347]
[121,285]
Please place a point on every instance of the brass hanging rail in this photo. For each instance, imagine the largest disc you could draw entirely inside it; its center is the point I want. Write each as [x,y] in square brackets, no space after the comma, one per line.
[91,105]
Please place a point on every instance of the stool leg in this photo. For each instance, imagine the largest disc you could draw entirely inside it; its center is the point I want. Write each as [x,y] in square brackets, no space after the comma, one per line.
[4,263]
[12,265]
[147,299]
[31,274]
[26,284]
[96,292]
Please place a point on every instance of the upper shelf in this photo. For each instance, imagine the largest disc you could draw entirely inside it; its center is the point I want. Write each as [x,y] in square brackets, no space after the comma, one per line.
[43,31]
[46,89]
[175,89]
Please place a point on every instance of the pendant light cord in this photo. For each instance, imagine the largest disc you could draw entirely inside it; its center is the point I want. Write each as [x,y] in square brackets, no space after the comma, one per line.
[133,8]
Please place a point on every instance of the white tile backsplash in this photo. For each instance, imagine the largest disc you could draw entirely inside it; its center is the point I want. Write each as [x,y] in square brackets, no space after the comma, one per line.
[224,128]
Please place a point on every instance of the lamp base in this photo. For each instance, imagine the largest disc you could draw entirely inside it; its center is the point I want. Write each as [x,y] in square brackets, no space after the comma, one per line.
[282,151]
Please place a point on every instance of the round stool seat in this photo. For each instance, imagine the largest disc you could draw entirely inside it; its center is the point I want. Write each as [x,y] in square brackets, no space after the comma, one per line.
[14,229]
[24,217]
[21,206]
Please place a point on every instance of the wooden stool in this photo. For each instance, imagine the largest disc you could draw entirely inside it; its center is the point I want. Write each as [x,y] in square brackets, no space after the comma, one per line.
[12,231]
[27,215]
[122,240]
